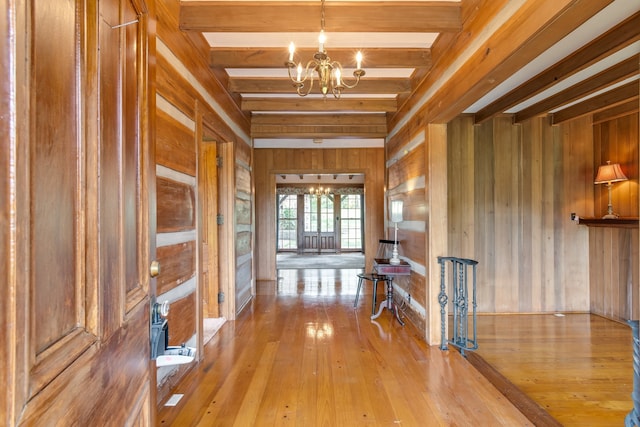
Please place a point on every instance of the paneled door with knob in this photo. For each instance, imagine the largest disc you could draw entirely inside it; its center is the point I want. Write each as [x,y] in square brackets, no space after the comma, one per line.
[74,303]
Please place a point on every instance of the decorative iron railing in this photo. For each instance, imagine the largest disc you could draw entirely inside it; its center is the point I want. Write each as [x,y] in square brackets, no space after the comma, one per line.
[462,302]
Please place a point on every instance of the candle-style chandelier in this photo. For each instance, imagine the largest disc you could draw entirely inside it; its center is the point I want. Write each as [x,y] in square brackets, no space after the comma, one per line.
[319,191]
[329,73]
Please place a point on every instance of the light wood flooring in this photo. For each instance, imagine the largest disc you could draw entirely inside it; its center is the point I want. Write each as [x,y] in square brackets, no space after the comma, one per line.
[577,367]
[302,355]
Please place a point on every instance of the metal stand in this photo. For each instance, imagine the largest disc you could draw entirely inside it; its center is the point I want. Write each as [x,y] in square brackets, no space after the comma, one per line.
[633,417]
[461,301]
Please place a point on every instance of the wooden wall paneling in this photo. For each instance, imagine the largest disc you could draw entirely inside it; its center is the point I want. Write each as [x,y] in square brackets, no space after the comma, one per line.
[175,146]
[243,243]
[485,222]
[409,166]
[531,243]
[616,140]
[549,260]
[414,204]
[176,206]
[243,180]
[408,132]
[596,272]
[412,243]
[243,212]
[506,207]
[613,272]
[460,180]
[244,235]
[265,184]
[622,253]
[179,92]
[193,51]
[181,320]
[574,193]
[173,87]
[553,173]
[178,265]
[243,283]
[243,153]
[374,202]
[633,285]
[201,264]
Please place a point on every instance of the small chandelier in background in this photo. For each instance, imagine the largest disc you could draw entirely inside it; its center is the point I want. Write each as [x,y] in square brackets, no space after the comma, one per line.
[319,191]
[329,73]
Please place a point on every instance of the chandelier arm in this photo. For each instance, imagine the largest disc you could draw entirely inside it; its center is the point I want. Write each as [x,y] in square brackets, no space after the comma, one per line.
[357,76]
[308,75]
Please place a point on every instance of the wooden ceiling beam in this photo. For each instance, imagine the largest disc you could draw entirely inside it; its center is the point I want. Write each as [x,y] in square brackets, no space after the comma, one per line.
[319,104]
[612,41]
[285,86]
[318,125]
[533,28]
[608,77]
[294,16]
[620,110]
[617,96]
[291,131]
[320,120]
[239,57]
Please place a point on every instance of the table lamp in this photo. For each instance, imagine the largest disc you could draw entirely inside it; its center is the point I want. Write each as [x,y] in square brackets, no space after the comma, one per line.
[396,217]
[608,174]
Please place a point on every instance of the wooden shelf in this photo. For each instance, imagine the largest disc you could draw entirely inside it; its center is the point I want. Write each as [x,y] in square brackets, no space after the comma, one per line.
[617,222]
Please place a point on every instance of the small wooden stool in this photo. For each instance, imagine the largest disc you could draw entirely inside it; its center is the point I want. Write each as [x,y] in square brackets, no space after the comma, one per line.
[372,277]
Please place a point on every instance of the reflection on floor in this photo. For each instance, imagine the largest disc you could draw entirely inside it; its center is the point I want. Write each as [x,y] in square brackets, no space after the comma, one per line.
[292,260]
[318,282]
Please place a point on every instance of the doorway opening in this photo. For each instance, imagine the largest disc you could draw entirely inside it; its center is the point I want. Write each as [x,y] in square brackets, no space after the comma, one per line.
[320,215]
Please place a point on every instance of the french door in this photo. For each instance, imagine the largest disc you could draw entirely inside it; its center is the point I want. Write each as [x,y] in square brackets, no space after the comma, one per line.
[320,231]
[320,224]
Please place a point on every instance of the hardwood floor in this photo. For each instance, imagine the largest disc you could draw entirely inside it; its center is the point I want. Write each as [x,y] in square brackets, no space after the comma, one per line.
[578,367]
[306,357]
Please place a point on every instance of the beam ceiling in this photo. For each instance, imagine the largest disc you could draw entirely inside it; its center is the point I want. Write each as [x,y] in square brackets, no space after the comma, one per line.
[419,52]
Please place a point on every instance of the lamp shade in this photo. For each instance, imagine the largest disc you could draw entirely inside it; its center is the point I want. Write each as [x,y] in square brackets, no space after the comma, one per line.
[396,211]
[609,173]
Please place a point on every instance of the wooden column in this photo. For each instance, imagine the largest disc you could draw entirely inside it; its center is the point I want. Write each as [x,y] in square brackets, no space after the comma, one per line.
[437,224]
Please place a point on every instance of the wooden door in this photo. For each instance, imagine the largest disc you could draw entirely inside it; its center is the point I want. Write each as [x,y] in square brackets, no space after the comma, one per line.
[76,308]
[208,185]
[319,225]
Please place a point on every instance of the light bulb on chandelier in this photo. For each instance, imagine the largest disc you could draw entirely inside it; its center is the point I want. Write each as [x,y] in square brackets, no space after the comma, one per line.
[319,191]
[329,73]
